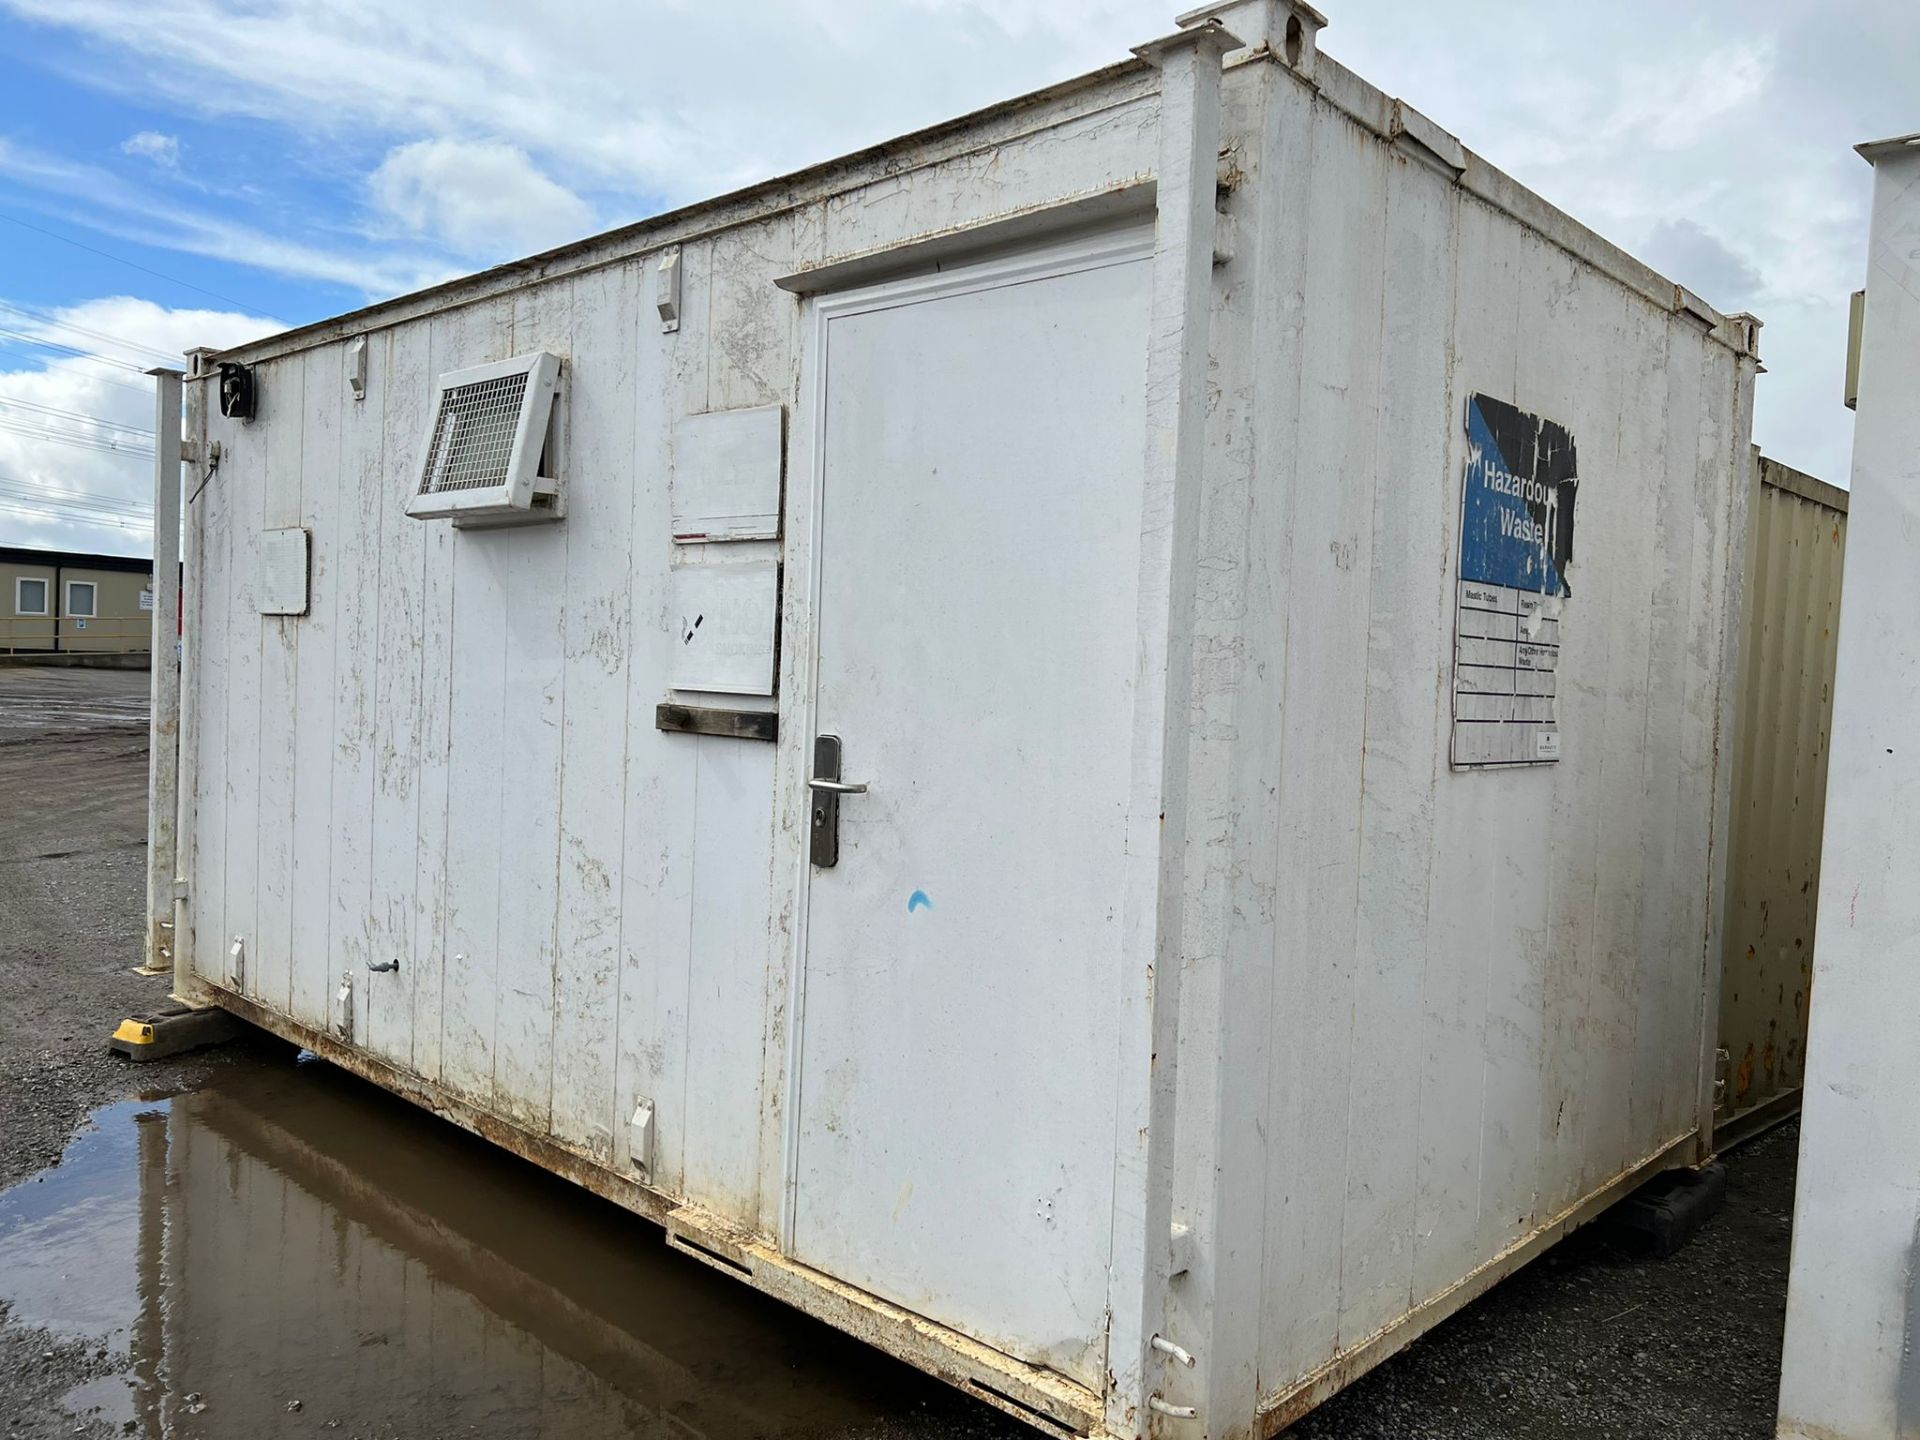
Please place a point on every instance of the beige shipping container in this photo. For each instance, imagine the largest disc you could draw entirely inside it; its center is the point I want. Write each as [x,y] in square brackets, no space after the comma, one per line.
[1796,551]
[68,602]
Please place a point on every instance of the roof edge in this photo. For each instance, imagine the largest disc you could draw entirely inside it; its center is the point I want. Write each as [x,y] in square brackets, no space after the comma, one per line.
[1873,151]
[74,559]
[1782,476]
[1375,111]
[676,226]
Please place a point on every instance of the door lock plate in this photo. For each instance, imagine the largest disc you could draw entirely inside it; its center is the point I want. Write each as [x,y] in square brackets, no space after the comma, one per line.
[824,805]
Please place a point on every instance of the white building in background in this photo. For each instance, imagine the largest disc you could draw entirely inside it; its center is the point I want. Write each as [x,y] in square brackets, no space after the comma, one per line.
[1851,1369]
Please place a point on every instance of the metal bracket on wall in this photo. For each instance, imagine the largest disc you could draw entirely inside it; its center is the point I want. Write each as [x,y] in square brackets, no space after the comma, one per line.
[640,1141]
[666,290]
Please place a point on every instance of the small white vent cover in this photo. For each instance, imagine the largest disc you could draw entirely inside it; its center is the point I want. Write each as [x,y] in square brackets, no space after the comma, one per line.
[480,461]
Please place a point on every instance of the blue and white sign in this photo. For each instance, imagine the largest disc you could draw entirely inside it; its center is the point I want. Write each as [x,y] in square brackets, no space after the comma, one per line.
[1516,545]
[1517,525]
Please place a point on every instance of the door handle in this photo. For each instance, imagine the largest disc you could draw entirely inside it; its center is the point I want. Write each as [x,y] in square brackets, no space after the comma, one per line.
[827,787]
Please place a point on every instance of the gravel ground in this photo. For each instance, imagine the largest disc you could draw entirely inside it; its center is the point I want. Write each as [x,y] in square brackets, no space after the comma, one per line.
[73,848]
[73,855]
[1590,1341]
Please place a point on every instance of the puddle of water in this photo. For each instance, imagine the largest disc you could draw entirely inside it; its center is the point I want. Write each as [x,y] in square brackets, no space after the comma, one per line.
[290,1234]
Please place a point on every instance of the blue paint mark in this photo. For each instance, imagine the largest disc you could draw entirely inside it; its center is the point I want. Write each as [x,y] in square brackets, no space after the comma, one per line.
[918,901]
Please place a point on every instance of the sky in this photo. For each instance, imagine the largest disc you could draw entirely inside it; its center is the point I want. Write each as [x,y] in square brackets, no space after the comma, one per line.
[189,172]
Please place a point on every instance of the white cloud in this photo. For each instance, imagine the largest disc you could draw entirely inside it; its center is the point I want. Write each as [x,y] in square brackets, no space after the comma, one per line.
[478,198]
[1657,109]
[103,201]
[1682,134]
[1637,119]
[1687,251]
[674,102]
[49,389]
[163,150]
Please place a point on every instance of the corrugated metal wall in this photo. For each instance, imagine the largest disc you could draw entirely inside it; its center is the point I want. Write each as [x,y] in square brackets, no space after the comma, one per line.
[1780,788]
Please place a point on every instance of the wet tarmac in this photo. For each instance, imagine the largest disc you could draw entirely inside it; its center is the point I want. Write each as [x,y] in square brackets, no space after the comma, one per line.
[290,1251]
[54,702]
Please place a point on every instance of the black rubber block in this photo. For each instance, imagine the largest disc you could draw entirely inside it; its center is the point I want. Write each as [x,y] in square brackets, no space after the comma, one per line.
[1668,1211]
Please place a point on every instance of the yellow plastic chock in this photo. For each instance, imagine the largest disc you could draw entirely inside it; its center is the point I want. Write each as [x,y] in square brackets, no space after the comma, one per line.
[172,1029]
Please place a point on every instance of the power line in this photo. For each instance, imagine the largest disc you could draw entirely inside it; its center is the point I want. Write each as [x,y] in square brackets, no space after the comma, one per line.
[145,270]
[88,512]
[77,512]
[75,517]
[110,512]
[46,319]
[49,364]
[95,512]
[55,321]
[35,426]
[73,442]
[49,512]
[55,410]
[46,344]
[81,442]
[100,497]
[74,499]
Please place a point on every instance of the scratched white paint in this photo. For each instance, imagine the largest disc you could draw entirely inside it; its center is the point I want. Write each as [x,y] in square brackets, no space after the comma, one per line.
[1848,1371]
[1479,1009]
[1352,1023]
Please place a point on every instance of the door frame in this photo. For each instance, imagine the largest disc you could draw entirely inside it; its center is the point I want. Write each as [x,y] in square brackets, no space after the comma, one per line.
[1039,260]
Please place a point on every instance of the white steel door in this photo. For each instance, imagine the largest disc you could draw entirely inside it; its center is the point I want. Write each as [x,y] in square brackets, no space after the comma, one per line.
[980,447]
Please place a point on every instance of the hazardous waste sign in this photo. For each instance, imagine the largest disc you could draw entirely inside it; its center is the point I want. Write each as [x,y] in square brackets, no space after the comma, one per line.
[1516,544]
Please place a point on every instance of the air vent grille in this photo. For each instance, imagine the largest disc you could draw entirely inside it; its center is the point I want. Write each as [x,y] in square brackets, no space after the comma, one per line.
[493,445]
[473,434]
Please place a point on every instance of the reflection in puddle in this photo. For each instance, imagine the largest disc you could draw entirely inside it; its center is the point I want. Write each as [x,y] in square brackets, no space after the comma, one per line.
[289,1234]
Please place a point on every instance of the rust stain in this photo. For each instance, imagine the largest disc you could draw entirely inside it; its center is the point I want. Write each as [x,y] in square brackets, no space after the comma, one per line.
[1743,1077]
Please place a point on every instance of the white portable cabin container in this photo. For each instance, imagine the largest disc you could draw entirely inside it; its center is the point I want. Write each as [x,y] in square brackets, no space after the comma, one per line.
[1048,779]
[1849,1365]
